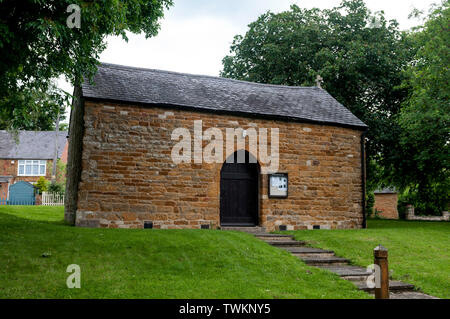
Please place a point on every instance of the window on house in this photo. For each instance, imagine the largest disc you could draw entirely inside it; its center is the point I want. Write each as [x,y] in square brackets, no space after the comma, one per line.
[32,168]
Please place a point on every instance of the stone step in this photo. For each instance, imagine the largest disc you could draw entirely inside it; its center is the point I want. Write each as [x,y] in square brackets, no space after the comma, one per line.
[310,252]
[273,235]
[393,286]
[270,237]
[410,295]
[286,243]
[347,270]
[317,261]
[246,229]
[314,255]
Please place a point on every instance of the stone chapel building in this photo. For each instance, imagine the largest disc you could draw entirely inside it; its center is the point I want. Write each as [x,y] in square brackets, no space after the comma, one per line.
[127,125]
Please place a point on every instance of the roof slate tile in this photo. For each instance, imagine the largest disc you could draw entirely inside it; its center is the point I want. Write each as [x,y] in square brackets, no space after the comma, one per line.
[216,94]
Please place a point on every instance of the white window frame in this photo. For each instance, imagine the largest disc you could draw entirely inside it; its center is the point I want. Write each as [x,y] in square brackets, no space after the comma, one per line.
[31,163]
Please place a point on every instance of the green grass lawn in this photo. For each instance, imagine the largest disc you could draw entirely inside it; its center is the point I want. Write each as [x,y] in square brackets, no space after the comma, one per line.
[122,263]
[419,252]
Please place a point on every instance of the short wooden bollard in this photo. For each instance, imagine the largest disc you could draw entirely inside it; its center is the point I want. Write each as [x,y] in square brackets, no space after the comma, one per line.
[380,255]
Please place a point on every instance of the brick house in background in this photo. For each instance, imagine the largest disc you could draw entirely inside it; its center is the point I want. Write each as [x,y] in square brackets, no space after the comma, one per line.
[120,172]
[386,201]
[30,158]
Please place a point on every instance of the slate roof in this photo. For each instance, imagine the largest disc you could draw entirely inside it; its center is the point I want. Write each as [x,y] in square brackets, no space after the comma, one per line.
[32,145]
[215,94]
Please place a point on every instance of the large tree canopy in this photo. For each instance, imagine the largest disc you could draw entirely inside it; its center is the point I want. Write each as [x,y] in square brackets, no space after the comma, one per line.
[37,45]
[422,161]
[358,54]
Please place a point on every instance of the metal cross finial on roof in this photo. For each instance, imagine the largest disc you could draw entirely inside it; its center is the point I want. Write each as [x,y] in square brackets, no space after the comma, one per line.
[319,81]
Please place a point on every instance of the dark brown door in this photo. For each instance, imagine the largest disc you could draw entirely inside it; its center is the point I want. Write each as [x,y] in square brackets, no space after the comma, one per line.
[239,194]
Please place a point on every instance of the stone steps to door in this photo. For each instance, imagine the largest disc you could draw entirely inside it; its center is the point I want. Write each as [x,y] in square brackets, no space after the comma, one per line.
[327,260]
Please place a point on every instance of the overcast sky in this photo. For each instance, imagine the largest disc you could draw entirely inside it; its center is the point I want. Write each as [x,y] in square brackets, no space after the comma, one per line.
[196,34]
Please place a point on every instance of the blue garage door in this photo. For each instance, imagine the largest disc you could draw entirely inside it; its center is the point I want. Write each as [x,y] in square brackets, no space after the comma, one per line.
[21,193]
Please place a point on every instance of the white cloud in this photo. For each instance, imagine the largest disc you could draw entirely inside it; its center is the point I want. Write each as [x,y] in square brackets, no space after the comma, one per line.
[191,45]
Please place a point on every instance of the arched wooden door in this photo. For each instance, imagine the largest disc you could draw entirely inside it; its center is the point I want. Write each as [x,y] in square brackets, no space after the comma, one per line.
[239,193]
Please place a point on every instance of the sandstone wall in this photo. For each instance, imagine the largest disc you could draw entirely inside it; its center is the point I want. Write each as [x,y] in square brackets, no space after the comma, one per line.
[128,175]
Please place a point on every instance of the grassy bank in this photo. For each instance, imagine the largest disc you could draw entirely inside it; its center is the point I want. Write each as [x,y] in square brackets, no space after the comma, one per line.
[36,247]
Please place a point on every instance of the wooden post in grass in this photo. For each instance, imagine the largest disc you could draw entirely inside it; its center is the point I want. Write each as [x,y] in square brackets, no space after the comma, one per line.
[380,255]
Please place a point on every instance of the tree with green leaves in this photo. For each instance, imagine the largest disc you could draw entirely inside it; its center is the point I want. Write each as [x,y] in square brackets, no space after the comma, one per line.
[37,45]
[422,161]
[33,109]
[359,55]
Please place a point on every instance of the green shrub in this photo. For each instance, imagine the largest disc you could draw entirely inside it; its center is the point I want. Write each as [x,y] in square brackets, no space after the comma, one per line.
[403,201]
[370,201]
[430,201]
[58,188]
[42,185]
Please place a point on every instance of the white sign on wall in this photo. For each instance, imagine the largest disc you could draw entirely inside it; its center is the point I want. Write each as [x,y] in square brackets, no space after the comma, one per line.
[278,185]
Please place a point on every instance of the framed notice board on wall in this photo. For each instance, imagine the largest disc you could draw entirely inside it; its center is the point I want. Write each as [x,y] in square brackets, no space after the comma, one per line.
[278,185]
